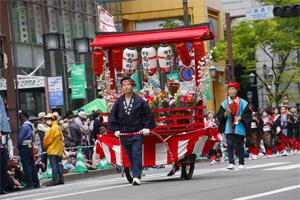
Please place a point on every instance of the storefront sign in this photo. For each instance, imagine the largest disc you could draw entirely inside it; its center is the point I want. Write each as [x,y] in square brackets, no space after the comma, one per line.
[78,81]
[56,93]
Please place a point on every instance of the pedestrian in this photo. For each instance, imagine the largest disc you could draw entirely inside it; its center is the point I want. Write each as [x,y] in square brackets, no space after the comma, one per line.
[97,124]
[131,114]
[26,151]
[210,123]
[296,131]
[234,116]
[267,133]
[4,130]
[42,129]
[277,136]
[75,131]
[68,140]
[253,136]
[82,120]
[53,143]
[285,126]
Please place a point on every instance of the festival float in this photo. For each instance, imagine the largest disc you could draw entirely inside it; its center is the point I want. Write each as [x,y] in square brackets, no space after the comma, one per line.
[180,132]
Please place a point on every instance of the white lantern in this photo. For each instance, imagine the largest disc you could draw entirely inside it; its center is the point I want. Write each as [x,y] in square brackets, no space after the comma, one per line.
[165,58]
[130,57]
[149,60]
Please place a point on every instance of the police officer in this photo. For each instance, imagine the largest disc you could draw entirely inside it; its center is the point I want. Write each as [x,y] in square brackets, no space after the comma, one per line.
[26,150]
[4,129]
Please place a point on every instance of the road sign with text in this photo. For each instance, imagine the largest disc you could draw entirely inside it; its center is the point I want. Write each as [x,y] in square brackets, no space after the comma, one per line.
[257,13]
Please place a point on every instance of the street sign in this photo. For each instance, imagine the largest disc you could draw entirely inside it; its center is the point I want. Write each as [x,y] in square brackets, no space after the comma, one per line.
[257,13]
[78,81]
[56,93]
[186,73]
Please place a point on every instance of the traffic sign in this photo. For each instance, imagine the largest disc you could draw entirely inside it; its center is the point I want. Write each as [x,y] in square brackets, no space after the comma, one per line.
[56,94]
[187,73]
[189,46]
[257,13]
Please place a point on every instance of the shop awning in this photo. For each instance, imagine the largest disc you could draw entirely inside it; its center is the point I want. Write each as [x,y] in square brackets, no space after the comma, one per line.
[153,37]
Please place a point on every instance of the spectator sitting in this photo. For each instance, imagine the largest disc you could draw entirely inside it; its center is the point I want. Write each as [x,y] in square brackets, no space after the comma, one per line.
[13,184]
[67,158]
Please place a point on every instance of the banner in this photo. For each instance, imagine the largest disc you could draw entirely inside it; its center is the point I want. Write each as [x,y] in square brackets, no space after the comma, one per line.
[106,21]
[56,93]
[78,81]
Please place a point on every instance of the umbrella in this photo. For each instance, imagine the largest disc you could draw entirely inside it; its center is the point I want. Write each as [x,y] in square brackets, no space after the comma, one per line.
[97,104]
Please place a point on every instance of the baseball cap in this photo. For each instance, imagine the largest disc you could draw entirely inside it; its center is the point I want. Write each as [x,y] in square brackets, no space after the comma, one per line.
[102,129]
[80,109]
[82,114]
[23,112]
[41,115]
[50,115]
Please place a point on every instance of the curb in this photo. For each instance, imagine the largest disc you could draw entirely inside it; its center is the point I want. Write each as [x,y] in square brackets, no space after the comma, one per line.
[70,176]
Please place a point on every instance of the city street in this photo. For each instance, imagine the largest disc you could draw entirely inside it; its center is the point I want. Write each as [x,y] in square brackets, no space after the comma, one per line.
[265,178]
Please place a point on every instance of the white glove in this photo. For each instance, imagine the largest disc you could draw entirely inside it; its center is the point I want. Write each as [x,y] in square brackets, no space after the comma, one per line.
[278,129]
[117,133]
[11,155]
[146,131]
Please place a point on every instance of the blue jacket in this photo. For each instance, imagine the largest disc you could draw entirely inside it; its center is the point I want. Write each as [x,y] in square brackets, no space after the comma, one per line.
[25,133]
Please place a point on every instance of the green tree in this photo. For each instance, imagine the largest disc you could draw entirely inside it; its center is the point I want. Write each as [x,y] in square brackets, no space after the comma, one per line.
[279,39]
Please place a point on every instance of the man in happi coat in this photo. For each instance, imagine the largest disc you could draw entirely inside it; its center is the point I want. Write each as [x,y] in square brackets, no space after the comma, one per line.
[235,117]
[131,114]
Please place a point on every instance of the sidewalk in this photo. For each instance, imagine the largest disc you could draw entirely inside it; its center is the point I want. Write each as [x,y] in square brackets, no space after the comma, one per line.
[71,176]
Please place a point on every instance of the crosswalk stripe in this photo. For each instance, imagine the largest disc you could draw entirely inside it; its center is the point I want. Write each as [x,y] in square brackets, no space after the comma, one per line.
[286,167]
[266,165]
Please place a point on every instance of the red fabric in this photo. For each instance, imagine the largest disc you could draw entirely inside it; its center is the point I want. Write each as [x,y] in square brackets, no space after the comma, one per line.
[282,142]
[97,62]
[255,150]
[117,56]
[236,85]
[269,151]
[142,38]
[277,148]
[295,141]
[183,53]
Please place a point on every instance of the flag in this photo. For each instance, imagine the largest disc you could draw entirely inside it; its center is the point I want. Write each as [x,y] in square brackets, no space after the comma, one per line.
[106,21]
[155,151]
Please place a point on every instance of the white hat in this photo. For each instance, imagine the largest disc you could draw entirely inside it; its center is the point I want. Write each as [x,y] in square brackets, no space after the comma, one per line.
[41,115]
[82,114]
[56,115]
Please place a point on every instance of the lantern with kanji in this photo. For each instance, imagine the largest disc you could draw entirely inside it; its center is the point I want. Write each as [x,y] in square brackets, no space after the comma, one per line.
[149,60]
[97,62]
[130,56]
[183,53]
[199,52]
[117,58]
[165,58]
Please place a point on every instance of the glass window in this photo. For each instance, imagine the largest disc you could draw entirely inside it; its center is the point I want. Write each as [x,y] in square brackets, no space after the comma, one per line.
[36,23]
[90,26]
[24,55]
[65,27]
[20,21]
[78,27]
[38,56]
[50,20]
[214,27]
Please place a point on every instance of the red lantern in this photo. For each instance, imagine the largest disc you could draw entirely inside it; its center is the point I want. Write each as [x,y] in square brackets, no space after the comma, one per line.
[199,52]
[183,53]
[97,62]
[117,56]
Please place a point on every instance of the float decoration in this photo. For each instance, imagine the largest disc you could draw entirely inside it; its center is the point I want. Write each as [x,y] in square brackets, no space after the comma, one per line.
[117,56]
[130,57]
[149,60]
[165,58]
[183,53]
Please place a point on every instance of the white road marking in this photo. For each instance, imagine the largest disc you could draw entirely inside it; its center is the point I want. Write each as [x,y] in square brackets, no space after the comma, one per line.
[286,167]
[266,165]
[269,193]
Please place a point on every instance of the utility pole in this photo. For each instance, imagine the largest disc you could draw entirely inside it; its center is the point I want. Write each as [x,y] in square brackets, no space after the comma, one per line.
[9,72]
[186,12]
[229,41]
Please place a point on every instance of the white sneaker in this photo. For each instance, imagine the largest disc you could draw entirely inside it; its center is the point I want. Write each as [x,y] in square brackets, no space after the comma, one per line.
[254,157]
[213,162]
[277,154]
[250,156]
[295,151]
[298,152]
[269,156]
[231,167]
[241,167]
[292,152]
[285,153]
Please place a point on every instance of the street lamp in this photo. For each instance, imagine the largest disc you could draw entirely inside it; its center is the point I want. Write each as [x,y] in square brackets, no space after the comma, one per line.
[270,76]
[53,41]
[249,96]
[252,78]
[212,72]
[81,45]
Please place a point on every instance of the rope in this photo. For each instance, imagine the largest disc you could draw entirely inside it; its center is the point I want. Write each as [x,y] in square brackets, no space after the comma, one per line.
[82,147]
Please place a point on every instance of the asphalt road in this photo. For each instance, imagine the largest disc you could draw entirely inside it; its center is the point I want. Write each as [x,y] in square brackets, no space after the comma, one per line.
[265,178]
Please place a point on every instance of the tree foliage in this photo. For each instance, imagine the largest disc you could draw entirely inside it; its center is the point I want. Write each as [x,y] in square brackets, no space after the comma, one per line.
[279,39]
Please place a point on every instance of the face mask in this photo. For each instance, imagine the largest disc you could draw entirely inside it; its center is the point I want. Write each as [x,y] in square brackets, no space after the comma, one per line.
[49,122]
[61,121]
